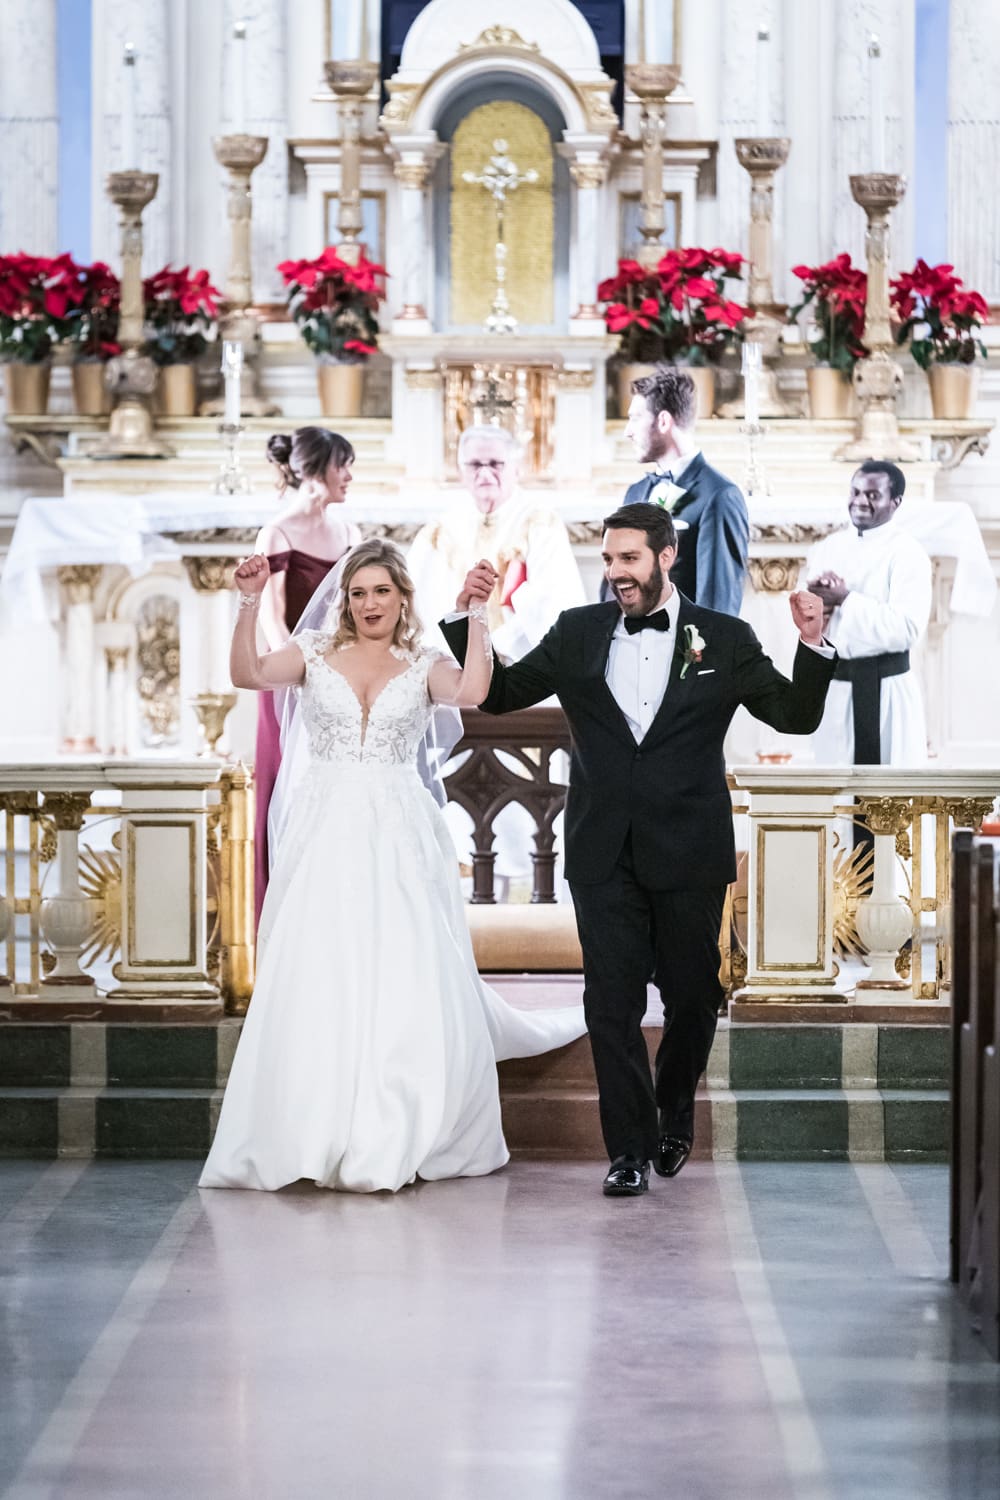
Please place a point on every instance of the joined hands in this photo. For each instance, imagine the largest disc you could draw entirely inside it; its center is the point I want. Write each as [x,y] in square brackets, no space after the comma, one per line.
[479,584]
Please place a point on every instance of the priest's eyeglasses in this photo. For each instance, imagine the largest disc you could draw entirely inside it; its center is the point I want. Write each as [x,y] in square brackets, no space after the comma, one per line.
[496,464]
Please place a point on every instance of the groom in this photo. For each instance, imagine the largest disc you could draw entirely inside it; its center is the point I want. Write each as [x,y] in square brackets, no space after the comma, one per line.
[649,682]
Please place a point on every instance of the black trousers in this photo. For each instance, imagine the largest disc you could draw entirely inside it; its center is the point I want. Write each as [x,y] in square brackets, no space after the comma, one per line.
[630,934]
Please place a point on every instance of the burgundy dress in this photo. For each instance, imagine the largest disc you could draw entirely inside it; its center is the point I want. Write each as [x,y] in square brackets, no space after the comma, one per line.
[303,576]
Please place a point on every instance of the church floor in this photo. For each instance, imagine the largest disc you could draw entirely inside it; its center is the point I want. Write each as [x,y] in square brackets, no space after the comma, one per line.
[756,1330]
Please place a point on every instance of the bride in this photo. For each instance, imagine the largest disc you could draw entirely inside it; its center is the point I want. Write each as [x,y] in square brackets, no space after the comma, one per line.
[368,1056]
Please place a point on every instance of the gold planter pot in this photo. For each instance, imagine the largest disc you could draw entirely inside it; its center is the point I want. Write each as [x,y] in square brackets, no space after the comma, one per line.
[177,391]
[625,376]
[829,394]
[91,397]
[27,388]
[953,391]
[341,388]
[704,385]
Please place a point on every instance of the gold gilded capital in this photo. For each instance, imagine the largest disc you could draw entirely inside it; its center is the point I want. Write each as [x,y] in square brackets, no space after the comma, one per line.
[774,575]
[887,815]
[80,580]
[67,809]
[209,575]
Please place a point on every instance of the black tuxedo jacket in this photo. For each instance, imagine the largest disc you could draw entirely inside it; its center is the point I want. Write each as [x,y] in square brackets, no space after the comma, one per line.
[712,535]
[670,788]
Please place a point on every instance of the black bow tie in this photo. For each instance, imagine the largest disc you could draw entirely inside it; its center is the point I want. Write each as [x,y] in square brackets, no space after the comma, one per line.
[658,621]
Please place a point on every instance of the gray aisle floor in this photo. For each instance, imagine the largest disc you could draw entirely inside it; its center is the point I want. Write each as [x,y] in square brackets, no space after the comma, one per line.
[745,1331]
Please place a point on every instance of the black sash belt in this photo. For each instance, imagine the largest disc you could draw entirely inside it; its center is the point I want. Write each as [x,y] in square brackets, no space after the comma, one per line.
[865,674]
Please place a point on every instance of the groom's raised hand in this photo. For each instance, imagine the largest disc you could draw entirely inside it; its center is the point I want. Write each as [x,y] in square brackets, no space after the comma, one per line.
[479,584]
[807,612]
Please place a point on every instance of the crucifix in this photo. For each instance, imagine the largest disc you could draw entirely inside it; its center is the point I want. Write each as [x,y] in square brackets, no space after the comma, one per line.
[499,177]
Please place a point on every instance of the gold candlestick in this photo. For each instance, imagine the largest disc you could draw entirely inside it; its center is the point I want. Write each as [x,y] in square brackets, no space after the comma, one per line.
[241,155]
[131,375]
[762,157]
[878,378]
[351,82]
[652,84]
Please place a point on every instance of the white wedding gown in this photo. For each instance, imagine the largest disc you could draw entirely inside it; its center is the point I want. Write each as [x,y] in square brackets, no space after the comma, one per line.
[368,1055]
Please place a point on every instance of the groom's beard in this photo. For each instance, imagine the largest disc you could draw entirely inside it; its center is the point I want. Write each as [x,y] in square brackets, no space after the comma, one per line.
[647,595]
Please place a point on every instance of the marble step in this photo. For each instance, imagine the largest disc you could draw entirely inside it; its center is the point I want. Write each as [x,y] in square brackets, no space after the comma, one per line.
[745,1056]
[773,1092]
[550,1124]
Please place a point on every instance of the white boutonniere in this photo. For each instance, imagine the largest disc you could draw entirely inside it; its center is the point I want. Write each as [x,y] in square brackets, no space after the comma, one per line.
[693,649]
[666,494]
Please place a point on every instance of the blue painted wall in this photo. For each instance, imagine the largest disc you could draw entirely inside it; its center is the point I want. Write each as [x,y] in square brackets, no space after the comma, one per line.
[73,73]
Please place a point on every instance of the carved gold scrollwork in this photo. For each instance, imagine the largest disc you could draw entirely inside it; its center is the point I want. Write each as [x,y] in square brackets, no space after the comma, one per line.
[775,575]
[887,815]
[209,575]
[67,809]
[968,812]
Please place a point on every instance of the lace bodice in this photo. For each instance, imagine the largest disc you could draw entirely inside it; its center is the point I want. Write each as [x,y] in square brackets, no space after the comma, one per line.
[334,719]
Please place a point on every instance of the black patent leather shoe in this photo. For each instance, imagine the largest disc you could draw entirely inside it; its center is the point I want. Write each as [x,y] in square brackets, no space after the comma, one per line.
[626,1178]
[672,1155]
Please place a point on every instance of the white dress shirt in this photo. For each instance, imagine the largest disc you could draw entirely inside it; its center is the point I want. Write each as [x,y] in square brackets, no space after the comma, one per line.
[639,668]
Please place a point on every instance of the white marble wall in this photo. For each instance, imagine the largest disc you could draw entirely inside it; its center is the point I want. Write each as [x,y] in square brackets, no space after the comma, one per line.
[974,144]
[28,127]
[152,28]
[266,114]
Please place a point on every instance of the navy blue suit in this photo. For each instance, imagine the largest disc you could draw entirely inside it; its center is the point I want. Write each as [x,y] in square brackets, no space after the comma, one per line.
[713,535]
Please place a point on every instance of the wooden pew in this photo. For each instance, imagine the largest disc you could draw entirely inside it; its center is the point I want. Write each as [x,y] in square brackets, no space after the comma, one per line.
[990,1203]
[961,967]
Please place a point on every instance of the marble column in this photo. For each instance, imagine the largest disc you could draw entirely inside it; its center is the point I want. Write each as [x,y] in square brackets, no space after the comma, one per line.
[29,145]
[589,170]
[262,57]
[116,660]
[80,730]
[412,169]
[148,28]
[974,145]
[892,22]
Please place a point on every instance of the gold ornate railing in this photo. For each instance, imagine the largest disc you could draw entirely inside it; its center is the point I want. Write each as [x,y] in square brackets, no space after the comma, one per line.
[126,882]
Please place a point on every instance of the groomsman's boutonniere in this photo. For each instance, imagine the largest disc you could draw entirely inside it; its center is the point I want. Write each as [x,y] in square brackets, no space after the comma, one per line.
[693,648]
[666,494]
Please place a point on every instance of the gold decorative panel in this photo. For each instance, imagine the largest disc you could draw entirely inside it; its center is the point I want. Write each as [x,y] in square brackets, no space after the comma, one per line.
[158,658]
[529,216]
[519,398]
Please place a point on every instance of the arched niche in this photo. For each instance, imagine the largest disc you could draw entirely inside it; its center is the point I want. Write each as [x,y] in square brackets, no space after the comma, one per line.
[456,111]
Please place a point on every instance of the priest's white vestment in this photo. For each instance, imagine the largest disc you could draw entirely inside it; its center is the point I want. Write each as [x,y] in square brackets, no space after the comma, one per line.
[886,611]
[529,546]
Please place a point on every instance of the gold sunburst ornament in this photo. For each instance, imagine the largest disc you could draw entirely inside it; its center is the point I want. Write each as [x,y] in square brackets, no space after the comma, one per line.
[101,880]
[852,879]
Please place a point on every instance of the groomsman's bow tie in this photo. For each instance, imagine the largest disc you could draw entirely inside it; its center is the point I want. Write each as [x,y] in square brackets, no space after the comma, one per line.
[659,620]
[657,478]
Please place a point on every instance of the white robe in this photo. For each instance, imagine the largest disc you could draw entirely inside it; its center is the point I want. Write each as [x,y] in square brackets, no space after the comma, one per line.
[888,574]
[521,531]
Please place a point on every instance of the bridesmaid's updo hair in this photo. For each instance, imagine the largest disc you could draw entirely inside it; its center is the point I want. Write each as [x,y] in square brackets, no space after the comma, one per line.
[378,554]
[307,454]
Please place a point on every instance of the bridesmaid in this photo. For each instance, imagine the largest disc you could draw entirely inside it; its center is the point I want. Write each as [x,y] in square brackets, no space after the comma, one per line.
[304,542]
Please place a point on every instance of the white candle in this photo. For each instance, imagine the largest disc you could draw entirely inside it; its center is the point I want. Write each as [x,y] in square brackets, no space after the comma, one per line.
[130,155]
[876,107]
[232,364]
[239,77]
[763,123]
[353,28]
[648,19]
[752,363]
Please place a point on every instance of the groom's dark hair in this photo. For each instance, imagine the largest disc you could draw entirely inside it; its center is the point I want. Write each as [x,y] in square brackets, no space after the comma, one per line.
[652,519]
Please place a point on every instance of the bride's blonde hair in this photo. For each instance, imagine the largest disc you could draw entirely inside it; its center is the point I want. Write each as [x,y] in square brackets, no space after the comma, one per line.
[379,554]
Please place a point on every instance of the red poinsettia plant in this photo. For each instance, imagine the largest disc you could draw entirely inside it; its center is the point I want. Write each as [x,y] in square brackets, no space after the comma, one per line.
[93,319]
[36,294]
[335,304]
[836,294]
[181,311]
[938,315]
[677,311]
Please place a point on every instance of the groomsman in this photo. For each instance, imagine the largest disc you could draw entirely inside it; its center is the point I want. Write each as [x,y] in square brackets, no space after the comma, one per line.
[875,583]
[710,514]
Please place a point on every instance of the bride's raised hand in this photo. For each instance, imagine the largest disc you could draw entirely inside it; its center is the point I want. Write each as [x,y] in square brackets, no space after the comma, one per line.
[252,574]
